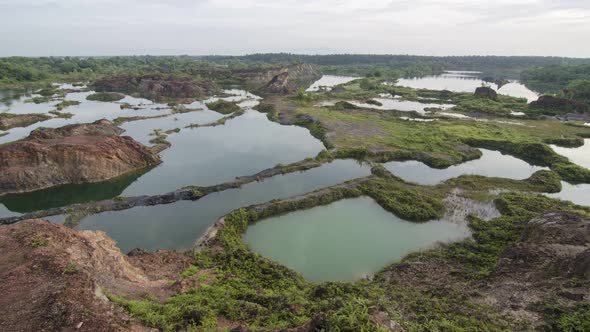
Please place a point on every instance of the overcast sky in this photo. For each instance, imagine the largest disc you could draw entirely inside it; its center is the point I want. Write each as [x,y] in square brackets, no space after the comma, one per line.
[430,27]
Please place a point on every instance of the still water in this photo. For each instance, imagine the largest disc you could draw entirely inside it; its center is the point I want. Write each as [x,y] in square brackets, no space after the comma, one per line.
[210,155]
[178,225]
[579,156]
[327,82]
[491,164]
[466,82]
[346,240]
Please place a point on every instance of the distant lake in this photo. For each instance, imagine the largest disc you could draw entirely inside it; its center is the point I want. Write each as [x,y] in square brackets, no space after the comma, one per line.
[462,81]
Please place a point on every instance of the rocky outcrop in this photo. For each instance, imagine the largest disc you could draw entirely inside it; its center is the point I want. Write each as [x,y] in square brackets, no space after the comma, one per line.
[556,105]
[486,92]
[550,262]
[56,279]
[280,81]
[79,153]
[156,87]
[9,121]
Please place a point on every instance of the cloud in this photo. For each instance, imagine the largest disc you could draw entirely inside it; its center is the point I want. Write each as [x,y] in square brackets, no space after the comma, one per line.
[58,27]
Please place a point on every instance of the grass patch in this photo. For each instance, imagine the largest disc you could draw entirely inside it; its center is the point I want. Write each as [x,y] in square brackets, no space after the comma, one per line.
[223,107]
[66,103]
[39,241]
[63,115]
[105,96]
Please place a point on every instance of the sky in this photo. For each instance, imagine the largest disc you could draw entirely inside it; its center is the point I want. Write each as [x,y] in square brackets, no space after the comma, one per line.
[235,27]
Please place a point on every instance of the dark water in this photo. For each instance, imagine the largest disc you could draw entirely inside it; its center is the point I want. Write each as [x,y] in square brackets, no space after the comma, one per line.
[65,195]
[345,240]
[178,225]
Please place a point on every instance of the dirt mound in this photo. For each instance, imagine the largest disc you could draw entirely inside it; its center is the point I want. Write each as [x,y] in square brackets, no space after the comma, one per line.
[80,153]
[556,104]
[486,92]
[156,87]
[55,278]
[281,80]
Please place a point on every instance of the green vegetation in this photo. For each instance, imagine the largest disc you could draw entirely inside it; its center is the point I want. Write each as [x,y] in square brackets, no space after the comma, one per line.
[39,241]
[63,115]
[374,102]
[477,257]
[269,109]
[71,268]
[558,318]
[105,96]
[16,71]
[223,107]
[554,78]
[160,138]
[540,181]
[66,103]
[123,119]
[40,100]
[443,143]
[316,129]
[242,286]
[179,109]
[406,201]
[578,90]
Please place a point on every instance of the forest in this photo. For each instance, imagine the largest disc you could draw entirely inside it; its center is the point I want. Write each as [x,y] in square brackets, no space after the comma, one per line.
[19,70]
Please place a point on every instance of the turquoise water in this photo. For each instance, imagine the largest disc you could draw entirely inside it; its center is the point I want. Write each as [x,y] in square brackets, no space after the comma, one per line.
[179,225]
[491,164]
[345,240]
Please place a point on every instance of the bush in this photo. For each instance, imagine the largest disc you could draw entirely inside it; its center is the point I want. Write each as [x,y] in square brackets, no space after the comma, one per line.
[105,96]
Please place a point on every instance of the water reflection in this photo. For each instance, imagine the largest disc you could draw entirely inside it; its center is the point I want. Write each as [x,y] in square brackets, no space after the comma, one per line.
[576,193]
[466,82]
[178,225]
[327,82]
[491,164]
[579,156]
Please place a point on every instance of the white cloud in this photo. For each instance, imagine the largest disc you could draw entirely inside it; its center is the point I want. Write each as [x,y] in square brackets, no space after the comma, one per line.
[440,27]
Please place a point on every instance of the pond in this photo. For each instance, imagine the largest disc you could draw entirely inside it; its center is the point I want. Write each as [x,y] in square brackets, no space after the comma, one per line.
[466,82]
[179,225]
[575,193]
[491,164]
[210,155]
[579,156]
[327,82]
[346,240]
[90,111]
[402,105]
[201,156]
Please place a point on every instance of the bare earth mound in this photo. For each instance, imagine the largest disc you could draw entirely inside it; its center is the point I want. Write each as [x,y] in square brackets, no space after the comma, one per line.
[55,279]
[80,153]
